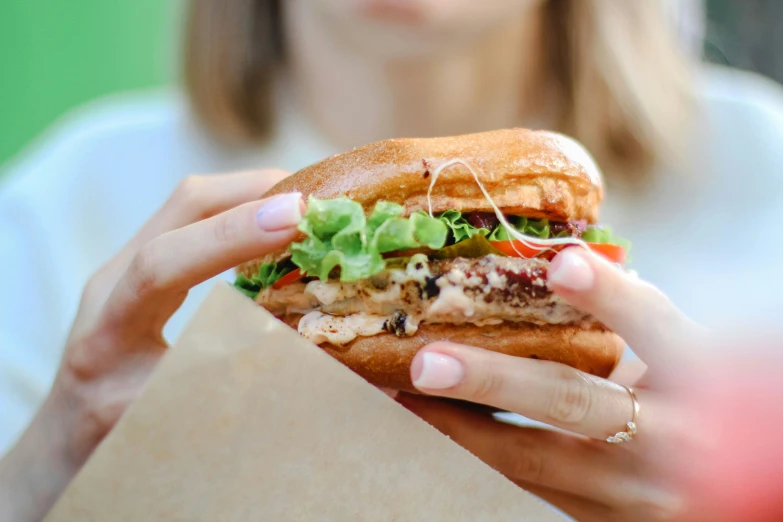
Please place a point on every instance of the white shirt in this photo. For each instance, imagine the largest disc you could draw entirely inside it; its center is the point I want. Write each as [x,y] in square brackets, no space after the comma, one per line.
[81,191]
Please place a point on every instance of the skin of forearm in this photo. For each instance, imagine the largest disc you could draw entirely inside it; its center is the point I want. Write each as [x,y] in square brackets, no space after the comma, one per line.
[34,473]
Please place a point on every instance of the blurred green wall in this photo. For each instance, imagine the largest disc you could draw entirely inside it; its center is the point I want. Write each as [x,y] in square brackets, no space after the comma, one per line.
[58,54]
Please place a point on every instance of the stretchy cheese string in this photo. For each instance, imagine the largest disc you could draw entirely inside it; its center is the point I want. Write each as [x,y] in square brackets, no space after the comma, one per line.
[540,245]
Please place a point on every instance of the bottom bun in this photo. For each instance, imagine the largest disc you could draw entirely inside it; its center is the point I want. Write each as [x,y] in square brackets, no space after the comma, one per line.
[385,359]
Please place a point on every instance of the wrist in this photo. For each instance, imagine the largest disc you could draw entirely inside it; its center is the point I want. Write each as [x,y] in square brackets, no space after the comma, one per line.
[34,473]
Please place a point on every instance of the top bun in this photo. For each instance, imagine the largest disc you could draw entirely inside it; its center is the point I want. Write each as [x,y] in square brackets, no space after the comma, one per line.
[536,174]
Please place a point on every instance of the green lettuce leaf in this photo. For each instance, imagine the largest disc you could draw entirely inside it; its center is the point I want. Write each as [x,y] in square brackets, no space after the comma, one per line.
[429,231]
[267,275]
[246,286]
[476,246]
[339,236]
[595,234]
[530,227]
[460,228]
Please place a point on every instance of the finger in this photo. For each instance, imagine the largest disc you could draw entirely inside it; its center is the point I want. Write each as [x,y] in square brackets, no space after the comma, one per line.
[168,266]
[201,197]
[541,390]
[389,391]
[628,371]
[545,458]
[651,503]
[637,311]
[196,198]
[482,409]
[577,507]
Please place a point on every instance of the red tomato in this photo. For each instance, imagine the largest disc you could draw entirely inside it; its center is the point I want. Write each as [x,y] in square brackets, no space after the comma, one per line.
[614,253]
[290,277]
[520,249]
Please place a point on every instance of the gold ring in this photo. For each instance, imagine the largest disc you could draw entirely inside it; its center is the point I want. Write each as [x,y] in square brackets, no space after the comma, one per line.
[630,427]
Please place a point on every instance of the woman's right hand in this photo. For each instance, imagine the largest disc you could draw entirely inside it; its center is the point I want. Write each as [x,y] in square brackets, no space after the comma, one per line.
[209,225]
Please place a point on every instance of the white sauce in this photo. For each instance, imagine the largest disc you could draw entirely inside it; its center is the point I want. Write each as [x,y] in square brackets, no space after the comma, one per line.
[411,325]
[390,295]
[320,328]
[421,274]
[326,293]
[338,313]
[452,303]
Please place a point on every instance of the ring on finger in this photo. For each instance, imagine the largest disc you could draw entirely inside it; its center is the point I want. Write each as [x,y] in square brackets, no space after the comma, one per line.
[630,427]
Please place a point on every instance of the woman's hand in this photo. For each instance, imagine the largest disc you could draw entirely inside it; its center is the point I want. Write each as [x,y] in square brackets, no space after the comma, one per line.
[577,470]
[209,225]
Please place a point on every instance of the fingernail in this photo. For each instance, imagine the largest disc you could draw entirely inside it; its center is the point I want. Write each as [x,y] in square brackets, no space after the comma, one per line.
[570,270]
[388,391]
[436,371]
[279,213]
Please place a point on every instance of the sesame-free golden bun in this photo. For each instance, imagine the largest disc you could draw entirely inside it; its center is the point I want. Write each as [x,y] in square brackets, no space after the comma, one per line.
[536,174]
[385,359]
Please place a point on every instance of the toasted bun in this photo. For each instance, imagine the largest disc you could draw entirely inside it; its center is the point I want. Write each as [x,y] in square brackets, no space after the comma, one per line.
[385,359]
[537,174]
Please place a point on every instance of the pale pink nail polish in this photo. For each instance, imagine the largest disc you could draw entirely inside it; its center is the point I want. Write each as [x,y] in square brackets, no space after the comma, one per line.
[280,212]
[571,271]
[438,371]
[388,391]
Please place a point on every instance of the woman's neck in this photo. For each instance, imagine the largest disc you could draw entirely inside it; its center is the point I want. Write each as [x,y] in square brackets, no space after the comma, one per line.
[356,96]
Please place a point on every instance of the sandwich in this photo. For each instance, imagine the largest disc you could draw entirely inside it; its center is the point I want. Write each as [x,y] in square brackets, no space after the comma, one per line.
[410,241]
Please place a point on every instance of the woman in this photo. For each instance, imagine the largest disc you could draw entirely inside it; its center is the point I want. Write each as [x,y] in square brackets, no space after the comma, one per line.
[667,469]
[354,72]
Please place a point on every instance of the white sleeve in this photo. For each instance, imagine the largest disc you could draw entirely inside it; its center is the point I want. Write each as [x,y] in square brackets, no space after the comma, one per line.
[69,204]
[31,319]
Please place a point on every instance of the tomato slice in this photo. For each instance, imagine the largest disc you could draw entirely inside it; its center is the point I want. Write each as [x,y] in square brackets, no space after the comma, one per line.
[614,253]
[290,277]
[520,249]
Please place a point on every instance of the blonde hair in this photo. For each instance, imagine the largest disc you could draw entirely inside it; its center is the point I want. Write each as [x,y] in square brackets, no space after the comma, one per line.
[613,69]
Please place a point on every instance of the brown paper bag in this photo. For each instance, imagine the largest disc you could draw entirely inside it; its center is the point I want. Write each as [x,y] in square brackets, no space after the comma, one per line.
[244,420]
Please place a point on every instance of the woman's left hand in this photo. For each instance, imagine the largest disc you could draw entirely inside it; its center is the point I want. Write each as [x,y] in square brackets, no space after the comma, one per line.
[577,470]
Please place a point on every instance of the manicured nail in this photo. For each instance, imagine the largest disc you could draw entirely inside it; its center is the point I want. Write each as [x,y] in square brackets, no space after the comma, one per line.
[436,371]
[570,270]
[388,391]
[281,212]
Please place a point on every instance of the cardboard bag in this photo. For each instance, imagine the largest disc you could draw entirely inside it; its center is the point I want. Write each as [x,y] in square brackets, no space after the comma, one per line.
[244,420]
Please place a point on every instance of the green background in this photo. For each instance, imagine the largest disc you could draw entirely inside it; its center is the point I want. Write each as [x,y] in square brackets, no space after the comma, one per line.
[58,54]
